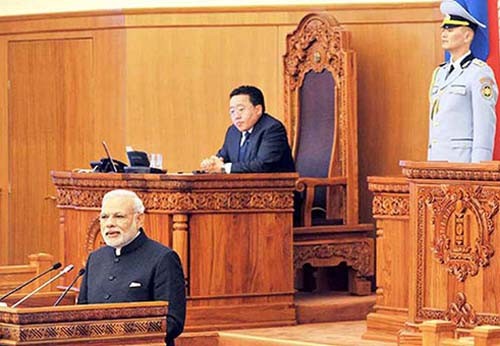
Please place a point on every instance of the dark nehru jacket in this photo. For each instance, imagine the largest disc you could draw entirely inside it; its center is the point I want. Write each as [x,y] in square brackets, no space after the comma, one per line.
[268,149]
[145,270]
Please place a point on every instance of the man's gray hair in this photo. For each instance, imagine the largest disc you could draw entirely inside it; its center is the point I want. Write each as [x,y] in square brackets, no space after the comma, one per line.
[138,205]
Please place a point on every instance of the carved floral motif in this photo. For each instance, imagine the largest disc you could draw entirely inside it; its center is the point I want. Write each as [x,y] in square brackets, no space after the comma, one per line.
[431,314]
[357,254]
[70,331]
[386,205]
[455,212]
[461,313]
[391,187]
[61,315]
[451,173]
[315,43]
[181,201]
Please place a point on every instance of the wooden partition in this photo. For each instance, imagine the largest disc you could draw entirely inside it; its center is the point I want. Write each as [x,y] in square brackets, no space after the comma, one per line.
[233,233]
[454,265]
[159,80]
[391,210]
[437,258]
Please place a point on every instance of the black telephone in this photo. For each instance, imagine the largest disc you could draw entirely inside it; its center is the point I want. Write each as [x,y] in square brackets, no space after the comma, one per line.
[105,166]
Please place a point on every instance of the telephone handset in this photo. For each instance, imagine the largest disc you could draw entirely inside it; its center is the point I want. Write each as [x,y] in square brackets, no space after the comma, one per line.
[105,165]
[108,164]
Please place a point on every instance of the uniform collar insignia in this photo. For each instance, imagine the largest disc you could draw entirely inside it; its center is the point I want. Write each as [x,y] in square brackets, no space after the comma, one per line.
[466,61]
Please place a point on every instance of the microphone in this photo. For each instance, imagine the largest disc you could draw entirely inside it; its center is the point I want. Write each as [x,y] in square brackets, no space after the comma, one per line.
[54,267]
[80,273]
[106,149]
[61,273]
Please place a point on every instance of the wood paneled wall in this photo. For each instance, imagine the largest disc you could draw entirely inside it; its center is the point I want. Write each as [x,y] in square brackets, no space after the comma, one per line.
[159,80]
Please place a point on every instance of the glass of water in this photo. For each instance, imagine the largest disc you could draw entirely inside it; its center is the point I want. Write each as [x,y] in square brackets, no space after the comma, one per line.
[156,161]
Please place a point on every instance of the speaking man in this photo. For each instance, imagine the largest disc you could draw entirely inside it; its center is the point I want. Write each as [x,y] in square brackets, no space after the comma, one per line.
[132,267]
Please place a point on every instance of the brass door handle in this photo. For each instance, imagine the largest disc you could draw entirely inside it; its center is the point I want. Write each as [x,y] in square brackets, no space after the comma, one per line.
[54,198]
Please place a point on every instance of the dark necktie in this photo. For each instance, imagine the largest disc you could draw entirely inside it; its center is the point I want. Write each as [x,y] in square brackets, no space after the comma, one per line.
[450,71]
[244,146]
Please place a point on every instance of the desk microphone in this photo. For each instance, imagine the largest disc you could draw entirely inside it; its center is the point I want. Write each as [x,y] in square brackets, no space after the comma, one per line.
[54,267]
[61,273]
[80,273]
[106,149]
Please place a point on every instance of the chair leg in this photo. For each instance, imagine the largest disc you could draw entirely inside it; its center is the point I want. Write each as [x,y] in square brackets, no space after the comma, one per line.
[358,285]
[305,278]
[322,277]
[299,279]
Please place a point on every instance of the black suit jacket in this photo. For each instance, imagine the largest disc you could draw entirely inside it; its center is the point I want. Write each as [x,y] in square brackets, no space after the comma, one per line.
[268,148]
[145,270]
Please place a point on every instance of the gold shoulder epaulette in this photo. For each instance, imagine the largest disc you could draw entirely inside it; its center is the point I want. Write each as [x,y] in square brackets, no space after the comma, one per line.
[479,62]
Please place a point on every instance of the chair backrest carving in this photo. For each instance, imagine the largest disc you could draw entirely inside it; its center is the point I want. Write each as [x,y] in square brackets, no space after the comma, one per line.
[320,108]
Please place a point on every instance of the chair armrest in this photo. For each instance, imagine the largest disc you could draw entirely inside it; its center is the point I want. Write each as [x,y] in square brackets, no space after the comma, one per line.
[302,183]
[308,185]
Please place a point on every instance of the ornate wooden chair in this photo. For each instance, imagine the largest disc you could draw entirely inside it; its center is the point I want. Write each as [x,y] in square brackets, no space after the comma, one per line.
[320,116]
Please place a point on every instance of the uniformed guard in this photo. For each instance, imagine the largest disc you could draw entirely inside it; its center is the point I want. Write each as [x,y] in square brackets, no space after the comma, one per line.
[463,94]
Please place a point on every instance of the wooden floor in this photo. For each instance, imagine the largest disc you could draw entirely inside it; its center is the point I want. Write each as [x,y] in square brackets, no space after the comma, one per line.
[323,319]
[318,334]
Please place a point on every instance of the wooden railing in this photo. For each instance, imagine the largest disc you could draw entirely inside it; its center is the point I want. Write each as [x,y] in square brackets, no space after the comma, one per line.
[12,276]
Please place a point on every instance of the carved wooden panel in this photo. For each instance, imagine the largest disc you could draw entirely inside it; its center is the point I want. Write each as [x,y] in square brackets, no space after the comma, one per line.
[455,212]
[99,324]
[174,193]
[93,238]
[461,313]
[384,205]
[391,210]
[356,253]
[454,218]
[390,197]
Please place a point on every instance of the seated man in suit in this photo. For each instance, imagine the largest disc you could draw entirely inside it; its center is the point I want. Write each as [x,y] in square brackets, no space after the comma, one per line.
[133,267]
[256,142]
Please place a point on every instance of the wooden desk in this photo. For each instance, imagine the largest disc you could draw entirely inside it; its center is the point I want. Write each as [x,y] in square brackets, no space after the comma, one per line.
[233,233]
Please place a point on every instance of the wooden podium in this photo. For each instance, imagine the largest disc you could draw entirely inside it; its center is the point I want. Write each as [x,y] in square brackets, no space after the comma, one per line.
[41,299]
[137,324]
[438,227]
[233,233]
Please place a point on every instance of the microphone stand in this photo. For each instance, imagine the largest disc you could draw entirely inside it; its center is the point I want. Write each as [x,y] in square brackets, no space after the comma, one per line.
[61,273]
[55,266]
[80,273]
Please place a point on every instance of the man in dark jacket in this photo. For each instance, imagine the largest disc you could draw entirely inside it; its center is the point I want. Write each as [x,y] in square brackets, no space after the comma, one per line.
[256,142]
[133,267]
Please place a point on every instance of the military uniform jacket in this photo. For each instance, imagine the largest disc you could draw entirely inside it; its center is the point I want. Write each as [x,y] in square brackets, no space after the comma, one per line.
[144,271]
[462,112]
